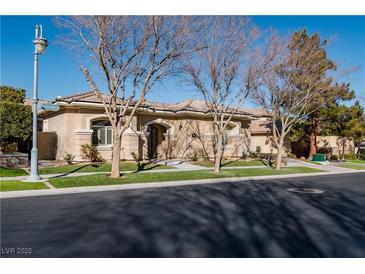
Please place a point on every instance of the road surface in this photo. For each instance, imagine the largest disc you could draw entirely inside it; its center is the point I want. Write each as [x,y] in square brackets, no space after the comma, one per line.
[240,219]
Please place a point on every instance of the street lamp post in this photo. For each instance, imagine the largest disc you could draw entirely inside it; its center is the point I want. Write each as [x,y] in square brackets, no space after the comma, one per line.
[40,46]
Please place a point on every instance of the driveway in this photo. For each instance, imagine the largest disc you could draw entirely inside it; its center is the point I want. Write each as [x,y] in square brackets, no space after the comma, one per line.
[236,219]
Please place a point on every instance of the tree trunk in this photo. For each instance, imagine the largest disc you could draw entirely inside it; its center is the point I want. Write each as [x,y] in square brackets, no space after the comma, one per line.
[218,155]
[280,152]
[313,138]
[116,156]
[343,148]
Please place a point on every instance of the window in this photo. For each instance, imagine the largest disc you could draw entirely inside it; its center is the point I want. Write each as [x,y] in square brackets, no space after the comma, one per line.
[258,149]
[226,137]
[102,133]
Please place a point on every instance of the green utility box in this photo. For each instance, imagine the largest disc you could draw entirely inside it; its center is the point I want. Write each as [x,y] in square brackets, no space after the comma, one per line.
[319,157]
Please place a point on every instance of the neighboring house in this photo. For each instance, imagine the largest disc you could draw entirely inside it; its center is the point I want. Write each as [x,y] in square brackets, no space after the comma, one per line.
[331,145]
[335,145]
[181,130]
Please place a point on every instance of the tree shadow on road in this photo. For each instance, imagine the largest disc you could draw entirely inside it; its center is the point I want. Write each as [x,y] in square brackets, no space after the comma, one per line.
[250,219]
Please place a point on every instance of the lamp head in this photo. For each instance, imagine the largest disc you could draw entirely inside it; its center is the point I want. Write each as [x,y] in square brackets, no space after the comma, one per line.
[40,43]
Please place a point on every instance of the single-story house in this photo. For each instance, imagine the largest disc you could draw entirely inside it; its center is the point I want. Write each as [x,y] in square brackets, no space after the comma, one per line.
[158,130]
[180,130]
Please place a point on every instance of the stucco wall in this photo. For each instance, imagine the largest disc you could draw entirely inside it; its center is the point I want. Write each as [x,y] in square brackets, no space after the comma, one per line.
[72,127]
[183,136]
[188,136]
[57,124]
[262,141]
[335,144]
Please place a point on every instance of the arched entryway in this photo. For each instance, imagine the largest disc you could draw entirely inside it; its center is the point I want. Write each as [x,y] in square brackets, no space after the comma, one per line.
[156,135]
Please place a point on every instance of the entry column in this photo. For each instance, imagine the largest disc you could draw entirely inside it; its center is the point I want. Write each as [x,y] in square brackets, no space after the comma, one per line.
[82,137]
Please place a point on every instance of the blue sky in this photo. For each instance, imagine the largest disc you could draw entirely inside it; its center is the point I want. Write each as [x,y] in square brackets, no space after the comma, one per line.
[59,72]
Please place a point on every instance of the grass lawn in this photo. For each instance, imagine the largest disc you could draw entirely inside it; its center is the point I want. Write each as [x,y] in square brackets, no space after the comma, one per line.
[99,167]
[230,163]
[356,161]
[103,179]
[18,185]
[12,172]
[353,166]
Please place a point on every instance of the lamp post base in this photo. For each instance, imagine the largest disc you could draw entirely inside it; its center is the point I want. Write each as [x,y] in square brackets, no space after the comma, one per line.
[33,179]
[33,176]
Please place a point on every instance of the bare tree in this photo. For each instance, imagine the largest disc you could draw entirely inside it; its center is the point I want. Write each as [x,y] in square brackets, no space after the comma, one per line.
[132,54]
[222,72]
[290,85]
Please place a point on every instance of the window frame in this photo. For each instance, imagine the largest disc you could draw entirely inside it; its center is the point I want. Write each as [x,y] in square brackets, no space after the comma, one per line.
[106,129]
[226,136]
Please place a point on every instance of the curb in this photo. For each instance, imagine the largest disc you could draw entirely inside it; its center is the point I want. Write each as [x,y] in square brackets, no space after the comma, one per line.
[87,189]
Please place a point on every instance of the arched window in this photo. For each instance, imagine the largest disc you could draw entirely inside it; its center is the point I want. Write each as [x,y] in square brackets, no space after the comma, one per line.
[102,133]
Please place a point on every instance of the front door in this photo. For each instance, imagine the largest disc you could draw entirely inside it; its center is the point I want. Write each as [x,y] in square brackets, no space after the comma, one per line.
[152,142]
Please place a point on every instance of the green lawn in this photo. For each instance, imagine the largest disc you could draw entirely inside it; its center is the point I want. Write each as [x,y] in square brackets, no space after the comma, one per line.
[99,167]
[356,161]
[12,172]
[18,185]
[353,166]
[230,163]
[102,179]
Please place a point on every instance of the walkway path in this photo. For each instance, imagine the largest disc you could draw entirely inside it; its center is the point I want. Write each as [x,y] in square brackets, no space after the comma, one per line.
[186,166]
[331,168]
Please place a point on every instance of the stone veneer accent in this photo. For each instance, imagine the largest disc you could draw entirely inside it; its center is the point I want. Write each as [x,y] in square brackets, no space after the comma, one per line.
[15,159]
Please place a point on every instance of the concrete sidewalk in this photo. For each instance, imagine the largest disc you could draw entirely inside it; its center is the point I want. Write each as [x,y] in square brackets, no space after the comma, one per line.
[329,168]
[73,190]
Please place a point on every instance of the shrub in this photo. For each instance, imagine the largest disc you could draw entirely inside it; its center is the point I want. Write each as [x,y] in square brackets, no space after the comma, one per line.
[89,152]
[202,154]
[244,155]
[9,147]
[361,155]
[292,155]
[324,150]
[135,157]
[68,157]
[334,157]
[350,156]
[206,157]
[193,156]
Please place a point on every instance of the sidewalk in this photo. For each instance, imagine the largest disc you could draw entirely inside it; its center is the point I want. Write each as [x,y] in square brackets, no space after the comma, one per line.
[329,168]
[74,190]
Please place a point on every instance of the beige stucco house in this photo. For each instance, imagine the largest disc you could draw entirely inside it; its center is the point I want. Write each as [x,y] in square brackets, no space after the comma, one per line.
[182,130]
[163,131]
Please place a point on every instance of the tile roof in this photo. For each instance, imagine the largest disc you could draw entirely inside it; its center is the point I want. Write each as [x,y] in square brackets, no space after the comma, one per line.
[260,126]
[187,105]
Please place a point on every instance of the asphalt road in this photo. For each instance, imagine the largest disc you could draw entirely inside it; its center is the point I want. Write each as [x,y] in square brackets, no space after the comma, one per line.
[244,219]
